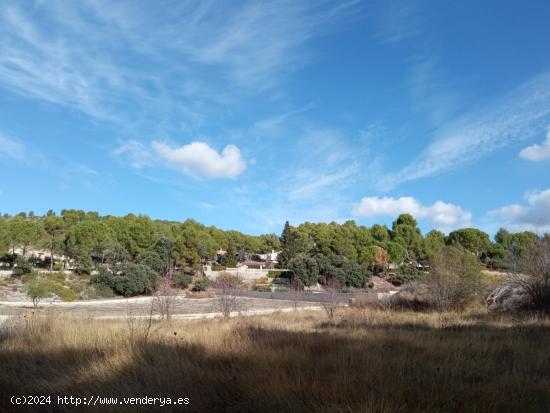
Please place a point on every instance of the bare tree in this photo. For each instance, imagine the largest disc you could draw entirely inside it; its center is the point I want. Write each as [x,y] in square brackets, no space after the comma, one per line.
[228,301]
[166,298]
[533,274]
[332,300]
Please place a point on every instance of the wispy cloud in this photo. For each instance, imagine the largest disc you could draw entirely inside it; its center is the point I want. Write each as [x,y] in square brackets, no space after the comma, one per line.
[258,39]
[273,124]
[394,21]
[69,53]
[311,185]
[520,115]
[307,184]
[11,148]
[430,90]
[537,152]
[441,215]
[326,163]
[137,154]
[36,63]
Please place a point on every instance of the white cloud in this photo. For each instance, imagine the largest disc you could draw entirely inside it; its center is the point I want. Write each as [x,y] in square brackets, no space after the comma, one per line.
[199,159]
[11,148]
[537,152]
[440,214]
[532,216]
[520,115]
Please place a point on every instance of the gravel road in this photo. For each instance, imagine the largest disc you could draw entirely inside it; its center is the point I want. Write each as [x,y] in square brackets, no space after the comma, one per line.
[139,307]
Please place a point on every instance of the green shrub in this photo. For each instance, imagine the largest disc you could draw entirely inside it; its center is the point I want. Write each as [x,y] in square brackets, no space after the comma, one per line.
[405,274]
[152,260]
[58,276]
[279,273]
[183,280]
[62,291]
[201,284]
[22,266]
[28,278]
[218,268]
[104,291]
[305,268]
[132,279]
[37,291]
[83,264]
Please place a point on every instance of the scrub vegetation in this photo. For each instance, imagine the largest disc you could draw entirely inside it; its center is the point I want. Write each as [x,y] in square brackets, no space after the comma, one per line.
[363,360]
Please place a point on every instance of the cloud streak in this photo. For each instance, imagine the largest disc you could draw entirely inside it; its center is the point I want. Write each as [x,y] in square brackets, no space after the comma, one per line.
[520,115]
[68,53]
[11,148]
[137,154]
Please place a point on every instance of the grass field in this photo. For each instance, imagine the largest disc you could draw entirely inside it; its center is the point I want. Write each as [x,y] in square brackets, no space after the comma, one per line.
[364,361]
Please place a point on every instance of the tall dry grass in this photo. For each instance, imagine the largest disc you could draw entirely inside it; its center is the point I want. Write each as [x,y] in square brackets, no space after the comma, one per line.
[363,361]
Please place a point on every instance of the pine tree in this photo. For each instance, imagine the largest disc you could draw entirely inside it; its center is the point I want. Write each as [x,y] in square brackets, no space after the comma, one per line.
[289,245]
[229,259]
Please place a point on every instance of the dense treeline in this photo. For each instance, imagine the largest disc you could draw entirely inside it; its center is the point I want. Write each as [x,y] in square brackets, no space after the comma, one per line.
[131,252]
[348,252]
[88,239]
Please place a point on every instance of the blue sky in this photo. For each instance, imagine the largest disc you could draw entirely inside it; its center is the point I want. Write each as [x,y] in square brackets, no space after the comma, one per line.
[245,114]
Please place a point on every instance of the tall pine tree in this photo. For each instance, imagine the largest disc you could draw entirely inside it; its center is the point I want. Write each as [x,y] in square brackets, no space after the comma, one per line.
[289,245]
[230,257]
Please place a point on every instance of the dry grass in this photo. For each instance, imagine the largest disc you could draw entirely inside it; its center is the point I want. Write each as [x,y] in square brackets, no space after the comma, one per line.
[364,361]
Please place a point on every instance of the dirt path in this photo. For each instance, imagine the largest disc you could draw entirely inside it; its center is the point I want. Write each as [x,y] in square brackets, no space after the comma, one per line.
[184,308]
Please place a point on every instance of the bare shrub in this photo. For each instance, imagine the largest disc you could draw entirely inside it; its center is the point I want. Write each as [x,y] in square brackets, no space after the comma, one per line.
[385,303]
[139,326]
[228,285]
[413,296]
[331,298]
[166,298]
[453,280]
[534,274]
